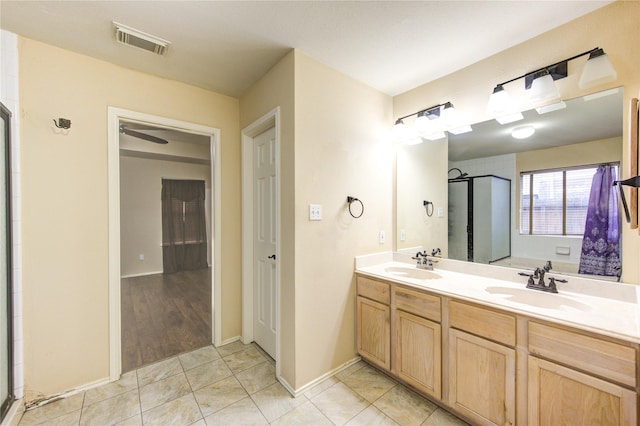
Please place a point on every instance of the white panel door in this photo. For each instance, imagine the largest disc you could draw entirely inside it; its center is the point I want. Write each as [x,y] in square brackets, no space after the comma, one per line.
[264,244]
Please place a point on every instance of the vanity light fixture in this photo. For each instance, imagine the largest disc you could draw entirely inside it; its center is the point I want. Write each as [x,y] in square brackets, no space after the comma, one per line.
[597,70]
[430,123]
[523,132]
[510,118]
[551,107]
[499,102]
[541,86]
[460,130]
[450,116]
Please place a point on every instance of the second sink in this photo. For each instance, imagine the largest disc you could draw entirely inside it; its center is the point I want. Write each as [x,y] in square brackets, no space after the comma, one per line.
[415,273]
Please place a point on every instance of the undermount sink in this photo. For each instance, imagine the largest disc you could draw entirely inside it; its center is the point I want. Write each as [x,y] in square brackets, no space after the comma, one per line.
[414,273]
[537,298]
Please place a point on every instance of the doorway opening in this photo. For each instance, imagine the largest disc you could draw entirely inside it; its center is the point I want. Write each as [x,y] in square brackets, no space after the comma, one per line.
[181,306]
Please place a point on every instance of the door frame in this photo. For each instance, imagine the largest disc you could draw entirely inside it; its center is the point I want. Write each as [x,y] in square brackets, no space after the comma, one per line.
[114,117]
[270,119]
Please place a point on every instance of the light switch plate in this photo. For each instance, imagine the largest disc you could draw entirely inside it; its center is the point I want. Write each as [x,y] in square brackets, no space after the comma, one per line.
[315,212]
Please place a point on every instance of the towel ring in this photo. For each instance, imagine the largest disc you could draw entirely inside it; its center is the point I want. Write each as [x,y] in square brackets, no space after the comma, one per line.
[426,205]
[351,200]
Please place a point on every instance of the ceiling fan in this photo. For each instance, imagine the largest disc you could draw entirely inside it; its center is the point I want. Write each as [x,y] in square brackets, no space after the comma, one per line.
[140,135]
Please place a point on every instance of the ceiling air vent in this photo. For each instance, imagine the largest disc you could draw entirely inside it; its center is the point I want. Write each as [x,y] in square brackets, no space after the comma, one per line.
[132,37]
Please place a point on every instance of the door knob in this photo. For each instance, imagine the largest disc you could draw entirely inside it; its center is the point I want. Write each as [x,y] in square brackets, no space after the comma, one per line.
[273,256]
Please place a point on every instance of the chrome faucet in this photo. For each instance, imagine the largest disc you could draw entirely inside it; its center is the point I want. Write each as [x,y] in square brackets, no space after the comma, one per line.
[538,274]
[423,261]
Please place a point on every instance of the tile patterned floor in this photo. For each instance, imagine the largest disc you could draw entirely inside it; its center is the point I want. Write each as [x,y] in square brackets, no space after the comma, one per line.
[236,385]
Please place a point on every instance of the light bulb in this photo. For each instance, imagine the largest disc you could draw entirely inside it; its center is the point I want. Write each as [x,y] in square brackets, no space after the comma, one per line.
[597,70]
[450,117]
[543,88]
[400,131]
[422,123]
[499,102]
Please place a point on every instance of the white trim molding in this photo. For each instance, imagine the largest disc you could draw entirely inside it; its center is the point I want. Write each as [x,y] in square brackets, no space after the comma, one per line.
[114,117]
[267,121]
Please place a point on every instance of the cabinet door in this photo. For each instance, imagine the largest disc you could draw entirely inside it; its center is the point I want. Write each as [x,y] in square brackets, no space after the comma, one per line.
[562,396]
[374,331]
[418,352]
[481,379]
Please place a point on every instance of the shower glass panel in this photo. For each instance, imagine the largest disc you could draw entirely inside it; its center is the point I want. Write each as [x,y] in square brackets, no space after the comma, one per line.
[458,219]
[6,323]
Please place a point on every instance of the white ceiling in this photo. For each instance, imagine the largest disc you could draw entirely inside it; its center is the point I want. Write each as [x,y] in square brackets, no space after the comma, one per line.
[226,46]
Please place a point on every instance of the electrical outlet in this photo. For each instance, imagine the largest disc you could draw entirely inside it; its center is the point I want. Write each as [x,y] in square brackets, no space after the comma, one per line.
[141,256]
[440,212]
[381,237]
[315,212]
[403,235]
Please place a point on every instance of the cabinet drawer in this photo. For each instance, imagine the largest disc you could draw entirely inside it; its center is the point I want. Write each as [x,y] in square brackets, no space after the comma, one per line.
[483,322]
[415,302]
[596,356]
[374,290]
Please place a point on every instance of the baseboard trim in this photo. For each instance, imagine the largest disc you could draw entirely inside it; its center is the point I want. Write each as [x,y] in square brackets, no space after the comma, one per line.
[30,405]
[230,340]
[301,390]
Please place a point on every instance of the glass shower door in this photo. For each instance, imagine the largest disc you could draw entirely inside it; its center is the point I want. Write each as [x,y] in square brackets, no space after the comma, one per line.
[6,315]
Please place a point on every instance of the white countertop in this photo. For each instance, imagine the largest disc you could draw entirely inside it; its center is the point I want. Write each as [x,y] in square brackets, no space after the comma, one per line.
[604,307]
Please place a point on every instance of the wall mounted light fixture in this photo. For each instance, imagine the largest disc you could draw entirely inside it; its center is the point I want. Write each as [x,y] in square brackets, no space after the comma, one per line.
[430,123]
[540,83]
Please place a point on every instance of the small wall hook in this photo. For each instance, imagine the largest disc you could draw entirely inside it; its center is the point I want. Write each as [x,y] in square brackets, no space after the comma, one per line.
[62,123]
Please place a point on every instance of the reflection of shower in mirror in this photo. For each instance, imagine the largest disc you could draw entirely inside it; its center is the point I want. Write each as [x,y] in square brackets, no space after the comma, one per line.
[588,131]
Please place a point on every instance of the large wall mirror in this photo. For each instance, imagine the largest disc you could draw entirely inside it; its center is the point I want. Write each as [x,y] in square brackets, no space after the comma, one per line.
[486,199]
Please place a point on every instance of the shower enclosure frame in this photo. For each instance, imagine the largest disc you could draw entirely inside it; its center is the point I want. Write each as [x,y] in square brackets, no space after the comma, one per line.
[469,230]
[5,405]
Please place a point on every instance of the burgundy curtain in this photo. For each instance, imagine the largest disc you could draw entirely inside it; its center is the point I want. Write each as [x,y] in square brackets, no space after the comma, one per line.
[184,225]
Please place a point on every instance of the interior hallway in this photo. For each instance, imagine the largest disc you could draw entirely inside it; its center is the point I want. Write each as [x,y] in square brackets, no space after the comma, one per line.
[235,385]
[164,315]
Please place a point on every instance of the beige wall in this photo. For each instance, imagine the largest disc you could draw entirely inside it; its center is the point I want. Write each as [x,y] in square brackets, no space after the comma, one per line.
[592,152]
[614,28]
[342,148]
[141,210]
[333,144]
[419,167]
[64,204]
[276,89]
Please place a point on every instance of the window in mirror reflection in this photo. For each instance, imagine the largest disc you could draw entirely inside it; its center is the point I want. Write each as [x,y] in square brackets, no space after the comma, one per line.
[547,208]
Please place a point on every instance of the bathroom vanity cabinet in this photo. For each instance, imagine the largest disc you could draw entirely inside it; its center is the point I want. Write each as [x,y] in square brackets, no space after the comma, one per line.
[482,364]
[494,366]
[416,348]
[575,378]
[373,313]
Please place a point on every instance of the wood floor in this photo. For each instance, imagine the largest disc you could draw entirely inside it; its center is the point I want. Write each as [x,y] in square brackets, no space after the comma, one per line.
[164,315]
